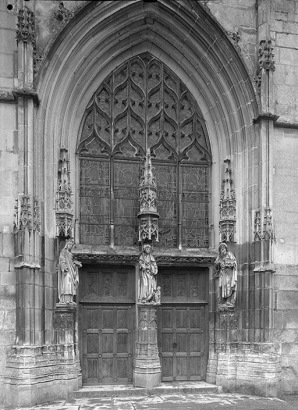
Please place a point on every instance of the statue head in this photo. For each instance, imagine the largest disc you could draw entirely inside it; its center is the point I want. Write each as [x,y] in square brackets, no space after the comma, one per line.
[147,248]
[69,244]
[223,248]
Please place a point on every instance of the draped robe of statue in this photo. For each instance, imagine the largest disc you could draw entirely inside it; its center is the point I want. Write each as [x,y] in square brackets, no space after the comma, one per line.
[226,271]
[148,275]
[68,275]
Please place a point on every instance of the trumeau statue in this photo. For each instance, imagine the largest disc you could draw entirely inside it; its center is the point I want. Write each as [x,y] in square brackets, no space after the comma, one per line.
[148,291]
[68,275]
[226,271]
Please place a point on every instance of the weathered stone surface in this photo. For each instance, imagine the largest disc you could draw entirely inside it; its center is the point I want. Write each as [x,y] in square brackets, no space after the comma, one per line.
[30,369]
[250,372]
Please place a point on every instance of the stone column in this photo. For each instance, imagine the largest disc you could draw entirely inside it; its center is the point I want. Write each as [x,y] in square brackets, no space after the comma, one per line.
[147,369]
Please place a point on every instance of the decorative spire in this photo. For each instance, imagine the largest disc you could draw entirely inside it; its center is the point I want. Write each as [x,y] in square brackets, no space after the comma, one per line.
[64,211]
[148,215]
[227,220]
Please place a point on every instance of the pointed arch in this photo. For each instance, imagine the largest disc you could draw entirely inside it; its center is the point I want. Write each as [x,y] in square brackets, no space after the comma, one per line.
[184,36]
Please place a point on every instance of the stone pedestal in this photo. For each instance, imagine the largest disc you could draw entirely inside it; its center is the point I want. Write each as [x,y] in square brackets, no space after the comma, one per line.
[147,369]
[65,324]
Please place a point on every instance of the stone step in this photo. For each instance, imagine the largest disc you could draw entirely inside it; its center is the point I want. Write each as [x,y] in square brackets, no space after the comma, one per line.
[131,391]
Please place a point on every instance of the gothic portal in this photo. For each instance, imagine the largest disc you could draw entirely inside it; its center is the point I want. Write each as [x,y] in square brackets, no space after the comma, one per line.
[106,274]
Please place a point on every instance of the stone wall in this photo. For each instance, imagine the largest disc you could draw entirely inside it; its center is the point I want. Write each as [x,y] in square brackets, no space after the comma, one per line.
[8,186]
[284,31]
[238,18]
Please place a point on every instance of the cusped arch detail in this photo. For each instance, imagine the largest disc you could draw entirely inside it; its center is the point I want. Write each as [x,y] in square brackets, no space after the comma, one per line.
[133,106]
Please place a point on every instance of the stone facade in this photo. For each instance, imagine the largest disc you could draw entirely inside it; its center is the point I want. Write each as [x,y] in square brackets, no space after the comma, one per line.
[239,59]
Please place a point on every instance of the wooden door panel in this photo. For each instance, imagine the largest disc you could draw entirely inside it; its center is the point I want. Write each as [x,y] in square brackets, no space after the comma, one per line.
[182,368]
[106,369]
[183,324]
[108,347]
[167,368]
[107,296]
[92,369]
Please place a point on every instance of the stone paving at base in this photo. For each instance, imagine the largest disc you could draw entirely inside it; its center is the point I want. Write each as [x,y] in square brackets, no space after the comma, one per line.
[177,401]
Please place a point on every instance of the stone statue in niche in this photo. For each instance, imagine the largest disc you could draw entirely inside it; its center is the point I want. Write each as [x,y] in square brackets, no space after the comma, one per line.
[226,271]
[68,274]
[148,291]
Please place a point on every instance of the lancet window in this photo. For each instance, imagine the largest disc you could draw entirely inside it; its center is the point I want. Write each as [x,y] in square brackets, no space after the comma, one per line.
[143,104]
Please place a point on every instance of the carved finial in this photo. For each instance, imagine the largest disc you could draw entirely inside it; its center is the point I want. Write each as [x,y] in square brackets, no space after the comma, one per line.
[64,211]
[148,216]
[227,221]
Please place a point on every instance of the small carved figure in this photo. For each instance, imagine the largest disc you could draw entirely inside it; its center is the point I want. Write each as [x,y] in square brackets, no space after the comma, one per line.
[226,271]
[68,275]
[157,295]
[148,275]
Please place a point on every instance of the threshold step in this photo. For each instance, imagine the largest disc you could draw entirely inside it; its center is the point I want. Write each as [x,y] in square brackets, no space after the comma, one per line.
[131,391]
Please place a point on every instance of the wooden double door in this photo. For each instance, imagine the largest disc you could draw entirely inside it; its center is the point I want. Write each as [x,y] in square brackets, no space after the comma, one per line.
[107,318]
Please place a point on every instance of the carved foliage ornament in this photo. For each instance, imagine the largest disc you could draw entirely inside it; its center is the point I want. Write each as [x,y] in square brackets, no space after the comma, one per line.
[227,207]
[64,211]
[26,26]
[166,259]
[62,14]
[265,62]
[235,37]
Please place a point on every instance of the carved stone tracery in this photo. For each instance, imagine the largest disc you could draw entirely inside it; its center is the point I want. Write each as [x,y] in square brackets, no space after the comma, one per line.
[142,104]
[263,225]
[27,214]
[23,214]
